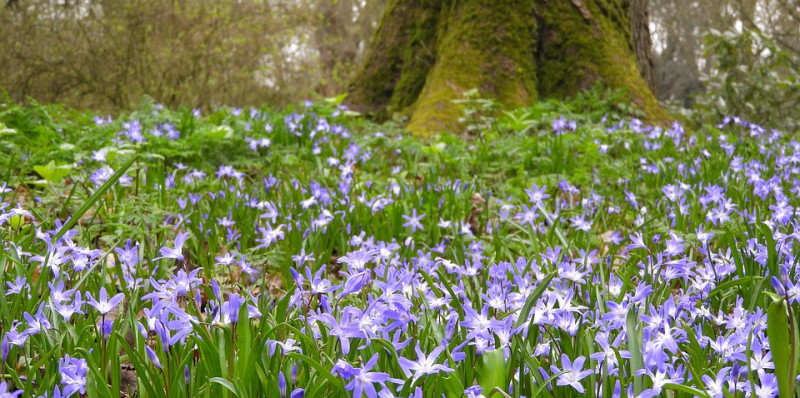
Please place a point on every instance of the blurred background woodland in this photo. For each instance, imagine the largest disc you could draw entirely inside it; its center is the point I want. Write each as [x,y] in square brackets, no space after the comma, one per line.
[726,57]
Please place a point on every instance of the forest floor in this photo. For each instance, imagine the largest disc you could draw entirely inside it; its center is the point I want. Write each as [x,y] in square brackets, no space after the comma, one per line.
[558,250]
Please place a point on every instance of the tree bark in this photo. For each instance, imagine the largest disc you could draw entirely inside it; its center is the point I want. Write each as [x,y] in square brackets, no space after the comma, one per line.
[427,53]
[642,42]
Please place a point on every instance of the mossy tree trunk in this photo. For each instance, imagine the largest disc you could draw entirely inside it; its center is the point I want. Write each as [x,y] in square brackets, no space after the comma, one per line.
[427,53]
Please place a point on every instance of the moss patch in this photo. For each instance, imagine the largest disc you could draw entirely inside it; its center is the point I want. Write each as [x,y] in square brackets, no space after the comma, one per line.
[427,53]
[483,44]
[576,52]
[400,56]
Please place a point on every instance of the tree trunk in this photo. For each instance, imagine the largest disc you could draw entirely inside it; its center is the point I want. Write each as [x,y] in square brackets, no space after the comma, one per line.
[427,53]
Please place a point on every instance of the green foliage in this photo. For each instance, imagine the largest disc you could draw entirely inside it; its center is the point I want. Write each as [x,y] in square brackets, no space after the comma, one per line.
[52,172]
[781,335]
[752,78]
[584,150]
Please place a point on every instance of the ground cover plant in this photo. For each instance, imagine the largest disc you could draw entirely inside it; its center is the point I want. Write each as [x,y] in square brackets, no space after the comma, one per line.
[560,251]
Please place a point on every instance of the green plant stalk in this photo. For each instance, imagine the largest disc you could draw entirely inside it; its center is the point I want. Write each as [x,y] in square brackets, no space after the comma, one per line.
[778,333]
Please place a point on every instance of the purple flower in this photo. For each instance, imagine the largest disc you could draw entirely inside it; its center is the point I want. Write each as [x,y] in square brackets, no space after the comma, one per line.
[363,381]
[282,384]
[660,379]
[637,242]
[425,364]
[318,284]
[73,373]
[343,369]
[104,305]
[573,372]
[36,322]
[176,251]
[527,216]
[343,332]
[473,392]
[413,221]
[153,357]
[106,327]
[182,282]
[716,387]
[355,282]
[536,194]
[14,337]
[4,393]
[101,175]
[232,307]
[302,258]
[163,333]
[5,348]
[358,260]
[17,286]
[768,385]
[287,346]
[247,269]
[479,323]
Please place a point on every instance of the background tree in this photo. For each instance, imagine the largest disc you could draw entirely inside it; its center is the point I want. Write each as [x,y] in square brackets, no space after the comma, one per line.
[427,53]
[683,58]
[105,55]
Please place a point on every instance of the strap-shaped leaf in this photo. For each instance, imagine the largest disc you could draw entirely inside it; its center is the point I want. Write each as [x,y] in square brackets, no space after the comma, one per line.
[635,348]
[530,301]
[94,198]
[780,340]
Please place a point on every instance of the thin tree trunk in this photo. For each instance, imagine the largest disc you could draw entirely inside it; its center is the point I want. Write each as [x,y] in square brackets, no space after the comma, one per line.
[642,41]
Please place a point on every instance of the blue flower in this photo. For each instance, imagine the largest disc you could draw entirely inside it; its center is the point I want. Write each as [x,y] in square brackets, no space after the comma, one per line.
[573,372]
[104,305]
[153,357]
[4,393]
[413,221]
[424,365]
[175,252]
[363,380]
[355,282]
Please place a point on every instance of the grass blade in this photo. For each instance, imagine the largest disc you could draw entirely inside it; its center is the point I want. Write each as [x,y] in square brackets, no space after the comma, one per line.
[94,198]
[635,349]
[530,301]
[225,383]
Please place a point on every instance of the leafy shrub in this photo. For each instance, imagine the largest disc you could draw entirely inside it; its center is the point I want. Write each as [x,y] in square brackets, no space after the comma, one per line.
[752,78]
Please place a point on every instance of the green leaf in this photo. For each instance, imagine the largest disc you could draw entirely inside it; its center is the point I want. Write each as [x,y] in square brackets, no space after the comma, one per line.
[337,100]
[452,385]
[324,372]
[733,283]
[530,301]
[52,172]
[4,130]
[93,199]
[220,133]
[684,388]
[142,371]
[779,337]
[225,383]
[635,349]
[492,372]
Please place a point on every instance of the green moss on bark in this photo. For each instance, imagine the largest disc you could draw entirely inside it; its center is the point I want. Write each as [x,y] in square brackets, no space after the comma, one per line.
[427,53]
[585,42]
[483,44]
[400,56]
